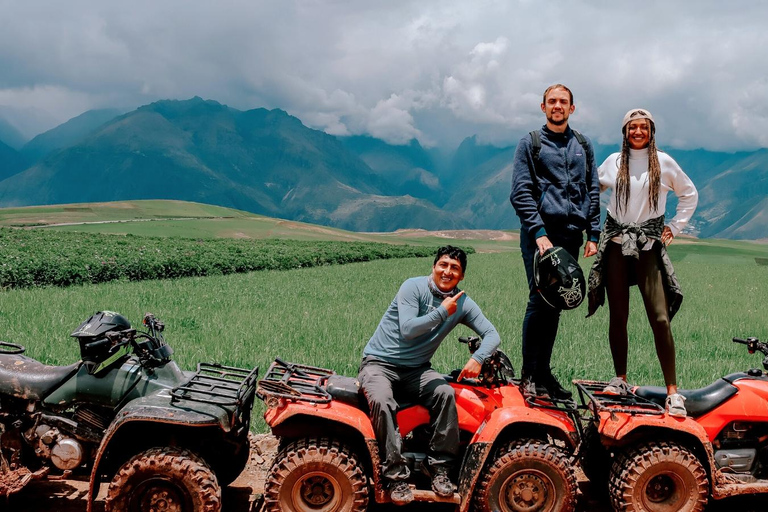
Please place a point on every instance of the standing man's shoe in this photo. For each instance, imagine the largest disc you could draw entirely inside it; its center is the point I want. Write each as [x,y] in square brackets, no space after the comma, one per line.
[441,483]
[556,390]
[530,388]
[400,493]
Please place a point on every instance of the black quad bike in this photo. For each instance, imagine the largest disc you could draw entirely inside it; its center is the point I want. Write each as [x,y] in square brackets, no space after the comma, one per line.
[163,438]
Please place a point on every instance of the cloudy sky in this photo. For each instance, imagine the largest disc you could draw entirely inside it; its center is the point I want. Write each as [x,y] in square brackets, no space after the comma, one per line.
[436,70]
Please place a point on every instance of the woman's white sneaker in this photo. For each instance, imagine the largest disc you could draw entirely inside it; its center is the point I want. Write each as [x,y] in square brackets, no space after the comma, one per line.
[676,405]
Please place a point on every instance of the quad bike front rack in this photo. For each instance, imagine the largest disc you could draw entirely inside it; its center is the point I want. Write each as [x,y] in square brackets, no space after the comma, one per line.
[295,382]
[595,400]
[216,384]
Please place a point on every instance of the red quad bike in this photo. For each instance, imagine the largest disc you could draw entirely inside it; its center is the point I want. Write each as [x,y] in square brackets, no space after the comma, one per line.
[517,454]
[657,463]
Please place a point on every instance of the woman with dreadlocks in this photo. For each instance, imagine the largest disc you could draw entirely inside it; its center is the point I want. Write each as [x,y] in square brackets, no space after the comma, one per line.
[632,247]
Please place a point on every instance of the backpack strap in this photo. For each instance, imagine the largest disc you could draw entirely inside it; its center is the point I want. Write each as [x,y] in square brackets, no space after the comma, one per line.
[535,150]
[583,141]
[535,144]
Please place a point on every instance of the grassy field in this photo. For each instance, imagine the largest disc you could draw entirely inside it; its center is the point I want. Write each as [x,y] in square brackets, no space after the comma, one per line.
[324,316]
[194,220]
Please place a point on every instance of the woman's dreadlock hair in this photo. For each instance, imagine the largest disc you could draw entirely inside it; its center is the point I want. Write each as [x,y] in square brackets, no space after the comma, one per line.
[654,170]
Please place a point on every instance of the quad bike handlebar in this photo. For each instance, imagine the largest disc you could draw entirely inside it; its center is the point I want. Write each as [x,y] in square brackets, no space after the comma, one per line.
[755,345]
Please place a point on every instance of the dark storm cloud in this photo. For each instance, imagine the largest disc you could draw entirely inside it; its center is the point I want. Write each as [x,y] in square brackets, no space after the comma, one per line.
[383,68]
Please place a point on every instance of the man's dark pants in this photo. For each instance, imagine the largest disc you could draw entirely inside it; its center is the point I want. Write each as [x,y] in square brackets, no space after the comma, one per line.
[541,320]
[383,383]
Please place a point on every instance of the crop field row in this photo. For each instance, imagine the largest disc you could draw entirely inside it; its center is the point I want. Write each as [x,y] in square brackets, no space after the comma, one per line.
[33,258]
[325,315]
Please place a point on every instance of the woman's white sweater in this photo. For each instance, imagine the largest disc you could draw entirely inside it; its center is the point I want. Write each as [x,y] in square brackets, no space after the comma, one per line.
[639,208]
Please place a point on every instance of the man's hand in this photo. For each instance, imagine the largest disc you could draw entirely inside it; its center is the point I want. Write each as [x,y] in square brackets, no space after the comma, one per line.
[667,236]
[544,244]
[470,370]
[450,303]
[590,249]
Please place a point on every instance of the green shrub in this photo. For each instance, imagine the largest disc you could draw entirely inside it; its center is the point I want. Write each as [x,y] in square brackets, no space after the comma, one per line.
[33,258]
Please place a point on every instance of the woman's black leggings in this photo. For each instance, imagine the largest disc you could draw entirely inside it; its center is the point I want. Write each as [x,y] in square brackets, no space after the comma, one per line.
[649,280]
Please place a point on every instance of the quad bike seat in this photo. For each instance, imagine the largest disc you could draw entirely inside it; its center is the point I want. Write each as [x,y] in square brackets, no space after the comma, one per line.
[697,401]
[24,377]
[347,390]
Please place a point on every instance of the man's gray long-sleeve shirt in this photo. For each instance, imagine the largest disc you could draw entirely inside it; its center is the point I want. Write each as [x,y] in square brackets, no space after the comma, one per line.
[416,323]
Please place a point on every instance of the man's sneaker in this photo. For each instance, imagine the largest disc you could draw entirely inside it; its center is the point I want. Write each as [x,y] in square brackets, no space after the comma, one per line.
[441,483]
[676,405]
[617,386]
[556,390]
[400,493]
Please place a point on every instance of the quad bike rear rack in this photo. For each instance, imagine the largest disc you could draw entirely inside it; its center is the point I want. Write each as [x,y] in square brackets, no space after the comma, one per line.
[225,386]
[593,399]
[295,382]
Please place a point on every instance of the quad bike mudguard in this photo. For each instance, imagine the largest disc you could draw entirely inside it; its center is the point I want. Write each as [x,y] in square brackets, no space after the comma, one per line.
[214,396]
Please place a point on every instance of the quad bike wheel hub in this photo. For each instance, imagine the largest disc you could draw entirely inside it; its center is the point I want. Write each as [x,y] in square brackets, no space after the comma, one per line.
[317,491]
[526,492]
[160,496]
[661,488]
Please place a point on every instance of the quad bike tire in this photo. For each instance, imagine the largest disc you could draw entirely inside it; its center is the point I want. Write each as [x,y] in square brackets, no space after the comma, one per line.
[529,476]
[658,477]
[169,479]
[316,475]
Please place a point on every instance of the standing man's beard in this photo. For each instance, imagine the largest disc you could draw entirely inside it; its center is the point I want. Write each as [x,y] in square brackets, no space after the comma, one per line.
[561,122]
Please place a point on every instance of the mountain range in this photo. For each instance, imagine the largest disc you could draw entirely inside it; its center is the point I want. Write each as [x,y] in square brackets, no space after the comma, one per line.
[268,162]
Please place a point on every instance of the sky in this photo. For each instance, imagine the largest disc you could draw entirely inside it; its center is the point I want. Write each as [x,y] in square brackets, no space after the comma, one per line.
[434,70]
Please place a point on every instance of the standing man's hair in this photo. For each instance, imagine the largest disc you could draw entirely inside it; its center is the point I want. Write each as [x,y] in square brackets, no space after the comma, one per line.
[556,86]
[453,253]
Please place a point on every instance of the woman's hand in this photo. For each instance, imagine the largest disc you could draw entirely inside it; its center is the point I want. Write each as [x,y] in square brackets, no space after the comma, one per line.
[667,236]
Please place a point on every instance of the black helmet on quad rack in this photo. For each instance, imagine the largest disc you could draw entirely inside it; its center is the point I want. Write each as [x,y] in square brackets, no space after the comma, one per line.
[559,278]
[95,329]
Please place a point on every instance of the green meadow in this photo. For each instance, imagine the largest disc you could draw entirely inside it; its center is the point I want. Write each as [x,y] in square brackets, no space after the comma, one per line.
[324,316]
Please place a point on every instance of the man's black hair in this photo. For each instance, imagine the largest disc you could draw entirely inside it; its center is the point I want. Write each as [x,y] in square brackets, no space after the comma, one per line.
[453,253]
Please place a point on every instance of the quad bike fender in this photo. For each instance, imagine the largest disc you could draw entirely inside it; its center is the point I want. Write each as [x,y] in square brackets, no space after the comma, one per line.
[335,411]
[155,409]
[619,428]
[554,422]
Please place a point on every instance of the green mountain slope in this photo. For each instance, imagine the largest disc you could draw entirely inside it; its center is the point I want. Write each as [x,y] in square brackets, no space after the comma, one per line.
[11,161]
[259,160]
[68,133]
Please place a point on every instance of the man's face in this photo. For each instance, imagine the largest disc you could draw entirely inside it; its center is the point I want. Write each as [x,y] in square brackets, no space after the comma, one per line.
[638,134]
[557,107]
[447,273]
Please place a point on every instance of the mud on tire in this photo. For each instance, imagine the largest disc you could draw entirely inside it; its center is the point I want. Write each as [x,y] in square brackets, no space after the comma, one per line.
[316,475]
[169,479]
[658,477]
[528,476]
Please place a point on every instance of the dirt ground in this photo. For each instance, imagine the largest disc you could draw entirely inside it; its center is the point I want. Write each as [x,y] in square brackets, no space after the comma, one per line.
[244,494]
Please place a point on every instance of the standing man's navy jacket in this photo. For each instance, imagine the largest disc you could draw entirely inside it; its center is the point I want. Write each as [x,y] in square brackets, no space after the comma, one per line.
[564,196]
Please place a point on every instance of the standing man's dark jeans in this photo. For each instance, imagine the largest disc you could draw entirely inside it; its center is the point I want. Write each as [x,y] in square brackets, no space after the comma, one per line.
[382,383]
[541,320]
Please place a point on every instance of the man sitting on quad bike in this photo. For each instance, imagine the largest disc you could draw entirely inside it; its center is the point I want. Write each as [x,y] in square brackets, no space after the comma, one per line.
[396,363]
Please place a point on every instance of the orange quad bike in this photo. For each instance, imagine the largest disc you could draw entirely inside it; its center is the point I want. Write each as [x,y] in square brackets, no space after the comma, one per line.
[654,462]
[517,454]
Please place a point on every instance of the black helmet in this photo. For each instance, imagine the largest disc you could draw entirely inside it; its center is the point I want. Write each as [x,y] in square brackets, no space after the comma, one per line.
[91,333]
[559,278]
[100,323]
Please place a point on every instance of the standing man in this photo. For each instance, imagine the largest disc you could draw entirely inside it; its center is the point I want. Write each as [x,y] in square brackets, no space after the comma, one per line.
[556,195]
[396,363]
